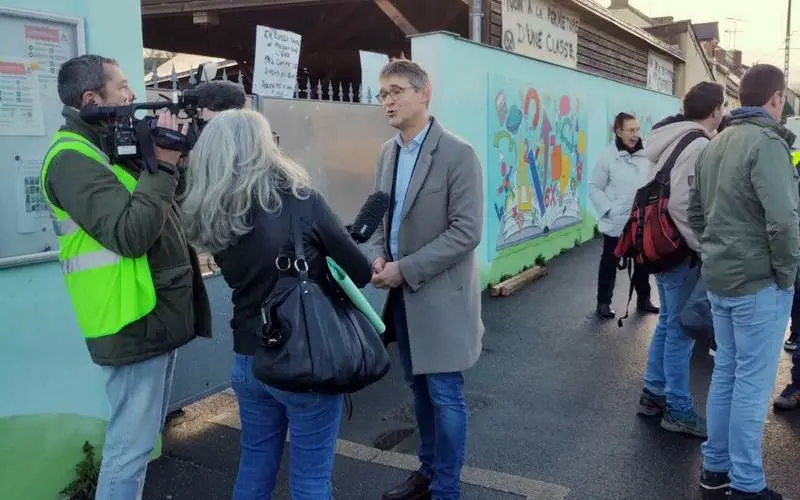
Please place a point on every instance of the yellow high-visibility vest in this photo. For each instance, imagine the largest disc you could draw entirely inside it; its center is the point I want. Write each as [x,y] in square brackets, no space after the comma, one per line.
[108,291]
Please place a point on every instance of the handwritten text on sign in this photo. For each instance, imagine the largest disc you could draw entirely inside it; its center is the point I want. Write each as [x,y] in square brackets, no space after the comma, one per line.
[660,74]
[275,67]
[542,30]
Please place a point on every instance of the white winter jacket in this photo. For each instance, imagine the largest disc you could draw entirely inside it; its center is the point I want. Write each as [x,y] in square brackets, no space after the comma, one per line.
[613,185]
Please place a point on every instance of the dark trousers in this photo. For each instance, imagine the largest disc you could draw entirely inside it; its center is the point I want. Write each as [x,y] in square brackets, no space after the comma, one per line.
[795,335]
[795,325]
[607,275]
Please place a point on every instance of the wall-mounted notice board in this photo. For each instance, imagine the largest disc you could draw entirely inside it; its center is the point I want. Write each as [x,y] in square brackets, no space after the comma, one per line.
[33,45]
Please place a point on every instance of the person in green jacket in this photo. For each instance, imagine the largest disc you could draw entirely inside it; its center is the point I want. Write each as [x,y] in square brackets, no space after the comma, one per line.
[133,279]
[744,209]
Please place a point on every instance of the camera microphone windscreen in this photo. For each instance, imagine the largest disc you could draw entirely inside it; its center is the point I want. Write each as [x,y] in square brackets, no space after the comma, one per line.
[216,95]
[370,216]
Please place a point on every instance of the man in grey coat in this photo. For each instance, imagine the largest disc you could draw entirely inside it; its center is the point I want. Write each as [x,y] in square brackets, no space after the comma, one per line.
[424,255]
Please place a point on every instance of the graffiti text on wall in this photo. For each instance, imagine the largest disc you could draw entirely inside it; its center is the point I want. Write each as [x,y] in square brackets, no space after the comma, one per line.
[537,151]
[542,30]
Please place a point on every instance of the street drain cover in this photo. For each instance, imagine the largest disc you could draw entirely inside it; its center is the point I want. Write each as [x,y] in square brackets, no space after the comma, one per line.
[405,413]
[392,438]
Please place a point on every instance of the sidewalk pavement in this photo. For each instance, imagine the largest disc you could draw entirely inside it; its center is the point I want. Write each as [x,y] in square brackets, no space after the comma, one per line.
[552,414]
[202,455]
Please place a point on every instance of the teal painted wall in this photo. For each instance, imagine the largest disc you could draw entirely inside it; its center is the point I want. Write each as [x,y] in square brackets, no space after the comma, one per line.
[53,395]
[551,121]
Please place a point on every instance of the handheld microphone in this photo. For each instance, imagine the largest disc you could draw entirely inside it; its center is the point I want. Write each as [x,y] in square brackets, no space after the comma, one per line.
[369,217]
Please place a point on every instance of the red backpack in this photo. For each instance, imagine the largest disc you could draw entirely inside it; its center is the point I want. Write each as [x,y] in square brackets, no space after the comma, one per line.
[650,239]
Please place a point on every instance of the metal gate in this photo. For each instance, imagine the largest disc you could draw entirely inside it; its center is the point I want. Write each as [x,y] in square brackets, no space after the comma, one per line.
[338,143]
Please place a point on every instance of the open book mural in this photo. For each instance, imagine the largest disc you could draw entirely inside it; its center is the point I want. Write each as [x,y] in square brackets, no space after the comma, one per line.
[537,154]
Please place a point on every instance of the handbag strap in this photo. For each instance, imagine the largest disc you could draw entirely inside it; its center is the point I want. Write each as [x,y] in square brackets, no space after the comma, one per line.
[300,264]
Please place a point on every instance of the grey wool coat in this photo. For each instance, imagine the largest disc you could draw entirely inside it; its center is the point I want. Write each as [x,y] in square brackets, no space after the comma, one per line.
[441,226]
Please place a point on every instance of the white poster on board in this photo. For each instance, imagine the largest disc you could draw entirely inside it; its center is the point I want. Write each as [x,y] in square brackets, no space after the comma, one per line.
[660,74]
[48,47]
[371,65]
[542,30]
[276,60]
[32,212]
[20,103]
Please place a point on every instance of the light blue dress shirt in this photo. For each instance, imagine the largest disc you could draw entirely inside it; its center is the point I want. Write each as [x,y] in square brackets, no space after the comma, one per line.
[406,160]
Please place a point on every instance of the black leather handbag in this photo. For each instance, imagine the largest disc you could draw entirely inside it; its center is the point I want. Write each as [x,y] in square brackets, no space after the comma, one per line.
[313,340]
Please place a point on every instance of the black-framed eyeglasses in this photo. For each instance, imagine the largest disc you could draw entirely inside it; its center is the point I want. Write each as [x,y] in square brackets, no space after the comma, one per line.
[393,92]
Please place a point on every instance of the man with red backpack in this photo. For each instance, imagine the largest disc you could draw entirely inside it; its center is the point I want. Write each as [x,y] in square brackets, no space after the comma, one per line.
[660,238]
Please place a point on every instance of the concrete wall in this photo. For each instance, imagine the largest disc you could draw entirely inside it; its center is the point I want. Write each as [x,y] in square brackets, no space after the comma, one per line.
[53,396]
[550,120]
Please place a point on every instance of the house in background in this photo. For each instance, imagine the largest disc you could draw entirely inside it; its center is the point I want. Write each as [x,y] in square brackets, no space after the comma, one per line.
[792,102]
[623,10]
[699,44]
[579,34]
[727,64]
[681,34]
[590,38]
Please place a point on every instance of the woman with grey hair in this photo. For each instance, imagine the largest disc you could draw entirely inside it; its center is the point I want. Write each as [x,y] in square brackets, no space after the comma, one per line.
[241,191]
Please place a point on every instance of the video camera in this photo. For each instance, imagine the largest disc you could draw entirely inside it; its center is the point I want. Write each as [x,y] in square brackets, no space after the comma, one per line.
[137,138]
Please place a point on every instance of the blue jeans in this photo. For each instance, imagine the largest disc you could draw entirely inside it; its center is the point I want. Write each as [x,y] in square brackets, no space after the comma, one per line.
[139,395]
[441,413]
[266,414]
[749,332]
[667,371]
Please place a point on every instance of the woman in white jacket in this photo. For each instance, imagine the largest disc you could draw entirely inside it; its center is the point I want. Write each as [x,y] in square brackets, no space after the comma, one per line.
[621,170]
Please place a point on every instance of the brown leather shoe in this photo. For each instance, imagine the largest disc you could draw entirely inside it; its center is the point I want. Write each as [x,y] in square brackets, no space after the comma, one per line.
[416,487]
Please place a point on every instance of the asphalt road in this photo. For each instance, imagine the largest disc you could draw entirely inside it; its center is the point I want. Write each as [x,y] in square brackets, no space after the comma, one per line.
[552,399]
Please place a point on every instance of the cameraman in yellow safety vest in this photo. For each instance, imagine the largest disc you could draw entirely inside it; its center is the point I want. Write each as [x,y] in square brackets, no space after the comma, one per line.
[134,282]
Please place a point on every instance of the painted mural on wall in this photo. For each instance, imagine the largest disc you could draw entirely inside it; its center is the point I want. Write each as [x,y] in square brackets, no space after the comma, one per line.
[648,108]
[537,156]
[646,119]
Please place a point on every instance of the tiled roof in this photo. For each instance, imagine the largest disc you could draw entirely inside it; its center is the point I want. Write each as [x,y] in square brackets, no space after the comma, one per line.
[592,7]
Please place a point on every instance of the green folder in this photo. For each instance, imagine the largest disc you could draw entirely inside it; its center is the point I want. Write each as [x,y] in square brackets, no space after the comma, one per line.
[352,291]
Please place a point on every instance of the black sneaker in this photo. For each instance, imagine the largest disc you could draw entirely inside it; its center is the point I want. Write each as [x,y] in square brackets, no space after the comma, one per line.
[651,405]
[647,307]
[715,485]
[791,344]
[789,398]
[767,494]
[604,311]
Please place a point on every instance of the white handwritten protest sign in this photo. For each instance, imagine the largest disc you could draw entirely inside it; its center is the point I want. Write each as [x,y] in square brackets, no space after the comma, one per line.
[275,66]
[542,30]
